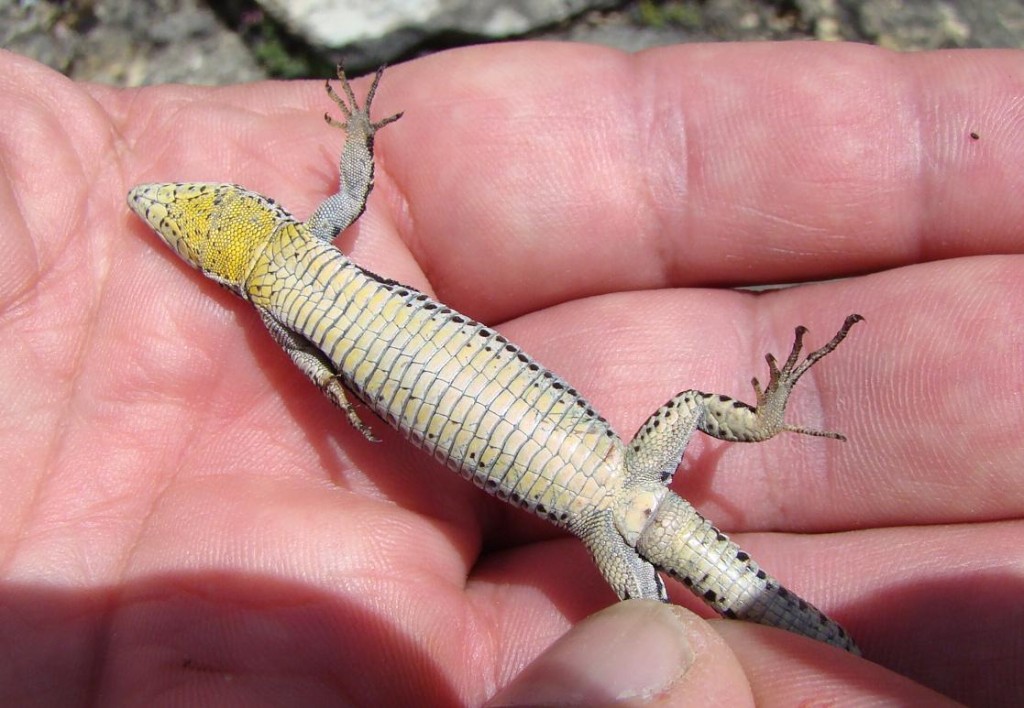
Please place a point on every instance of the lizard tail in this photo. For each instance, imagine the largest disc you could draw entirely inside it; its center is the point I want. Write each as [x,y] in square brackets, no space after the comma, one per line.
[689,548]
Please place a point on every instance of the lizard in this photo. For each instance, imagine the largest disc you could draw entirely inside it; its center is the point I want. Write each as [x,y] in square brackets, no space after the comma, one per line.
[475,401]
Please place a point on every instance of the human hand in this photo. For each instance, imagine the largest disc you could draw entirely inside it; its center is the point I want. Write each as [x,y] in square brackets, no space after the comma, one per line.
[182,509]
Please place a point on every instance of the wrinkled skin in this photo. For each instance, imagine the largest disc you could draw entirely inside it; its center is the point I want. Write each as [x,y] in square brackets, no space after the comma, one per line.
[184,518]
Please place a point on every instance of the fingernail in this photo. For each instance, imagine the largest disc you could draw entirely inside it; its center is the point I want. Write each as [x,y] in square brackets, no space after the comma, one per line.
[631,650]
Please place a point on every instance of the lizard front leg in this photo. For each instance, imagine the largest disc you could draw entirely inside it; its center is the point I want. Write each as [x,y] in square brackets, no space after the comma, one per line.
[355,167]
[317,368]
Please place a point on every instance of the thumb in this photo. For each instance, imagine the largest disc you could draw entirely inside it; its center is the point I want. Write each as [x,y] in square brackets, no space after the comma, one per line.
[628,654]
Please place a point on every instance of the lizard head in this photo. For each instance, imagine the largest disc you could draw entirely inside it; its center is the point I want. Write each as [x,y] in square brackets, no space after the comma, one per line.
[218,228]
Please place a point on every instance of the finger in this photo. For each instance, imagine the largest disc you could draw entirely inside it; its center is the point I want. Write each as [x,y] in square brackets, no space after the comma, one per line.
[907,595]
[785,670]
[539,173]
[514,186]
[55,259]
[925,389]
[628,654]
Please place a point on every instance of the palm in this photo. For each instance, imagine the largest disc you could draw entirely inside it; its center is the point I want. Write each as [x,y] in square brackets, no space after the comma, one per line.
[178,493]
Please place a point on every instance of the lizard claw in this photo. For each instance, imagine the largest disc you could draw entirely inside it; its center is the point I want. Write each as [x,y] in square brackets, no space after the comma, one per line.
[356,117]
[771,402]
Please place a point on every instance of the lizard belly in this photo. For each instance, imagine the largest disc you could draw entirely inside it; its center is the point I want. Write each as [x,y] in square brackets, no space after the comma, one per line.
[454,387]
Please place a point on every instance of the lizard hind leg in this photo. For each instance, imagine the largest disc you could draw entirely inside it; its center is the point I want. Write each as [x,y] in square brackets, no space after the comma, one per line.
[657,448]
[735,421]
[630,576]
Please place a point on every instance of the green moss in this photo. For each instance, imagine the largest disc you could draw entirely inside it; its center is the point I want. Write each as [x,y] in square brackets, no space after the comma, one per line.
[669,14]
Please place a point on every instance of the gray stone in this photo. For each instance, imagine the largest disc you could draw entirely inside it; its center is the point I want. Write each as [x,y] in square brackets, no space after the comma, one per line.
[128,43]
[371,31]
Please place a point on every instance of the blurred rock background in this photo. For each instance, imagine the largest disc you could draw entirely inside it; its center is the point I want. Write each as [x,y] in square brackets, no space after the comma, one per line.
[132,42]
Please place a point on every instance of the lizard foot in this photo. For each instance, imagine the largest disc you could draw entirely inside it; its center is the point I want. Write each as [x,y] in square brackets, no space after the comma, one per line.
[357,120]
[771,402]
[335,391]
